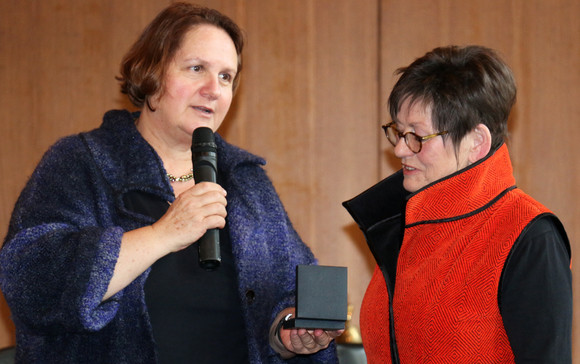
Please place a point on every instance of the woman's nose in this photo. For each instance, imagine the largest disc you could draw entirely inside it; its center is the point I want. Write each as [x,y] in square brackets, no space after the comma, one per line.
[211,88]
[402,149]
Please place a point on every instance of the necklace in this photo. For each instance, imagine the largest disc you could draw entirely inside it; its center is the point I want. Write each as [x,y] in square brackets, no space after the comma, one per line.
[184,178]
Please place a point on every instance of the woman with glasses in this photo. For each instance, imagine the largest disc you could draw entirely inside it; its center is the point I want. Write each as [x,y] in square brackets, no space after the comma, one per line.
[470,269]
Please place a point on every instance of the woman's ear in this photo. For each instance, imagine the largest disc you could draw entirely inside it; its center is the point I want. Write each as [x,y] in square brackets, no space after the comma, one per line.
[480,143]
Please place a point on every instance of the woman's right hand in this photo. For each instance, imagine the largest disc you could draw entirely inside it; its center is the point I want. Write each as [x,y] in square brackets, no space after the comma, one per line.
[193,212]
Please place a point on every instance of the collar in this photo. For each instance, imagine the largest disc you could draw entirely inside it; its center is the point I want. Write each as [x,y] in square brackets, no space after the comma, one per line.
[473,188]
[381,202]
[128,162]
[463,193]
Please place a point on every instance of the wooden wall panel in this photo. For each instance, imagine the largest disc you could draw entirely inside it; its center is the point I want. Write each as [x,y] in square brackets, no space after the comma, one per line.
[541,41]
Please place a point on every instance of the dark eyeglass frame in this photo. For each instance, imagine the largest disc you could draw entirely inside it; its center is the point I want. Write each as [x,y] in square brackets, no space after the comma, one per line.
[399,135]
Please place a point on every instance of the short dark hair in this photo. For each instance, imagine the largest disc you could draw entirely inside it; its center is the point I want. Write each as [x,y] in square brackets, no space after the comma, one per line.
[145,64]
[464,86]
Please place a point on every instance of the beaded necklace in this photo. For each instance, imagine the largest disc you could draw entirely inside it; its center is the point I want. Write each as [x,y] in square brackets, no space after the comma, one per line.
[184,178]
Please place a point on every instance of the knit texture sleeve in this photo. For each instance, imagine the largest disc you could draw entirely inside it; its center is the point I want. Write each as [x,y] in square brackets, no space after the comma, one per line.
[61,247]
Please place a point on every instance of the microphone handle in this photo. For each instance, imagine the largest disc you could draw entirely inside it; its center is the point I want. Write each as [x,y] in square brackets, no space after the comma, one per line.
[209,250]
[209,243]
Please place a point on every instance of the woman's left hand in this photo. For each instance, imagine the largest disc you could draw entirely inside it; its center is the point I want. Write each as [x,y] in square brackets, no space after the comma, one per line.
[300,341]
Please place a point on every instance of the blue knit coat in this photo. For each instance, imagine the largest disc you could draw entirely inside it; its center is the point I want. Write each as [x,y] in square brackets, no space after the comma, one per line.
[65,235]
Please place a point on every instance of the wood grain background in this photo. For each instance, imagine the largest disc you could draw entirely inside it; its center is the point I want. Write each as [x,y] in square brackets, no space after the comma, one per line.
[313,96]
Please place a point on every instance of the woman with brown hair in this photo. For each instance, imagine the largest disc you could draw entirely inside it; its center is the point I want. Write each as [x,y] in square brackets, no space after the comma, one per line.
[99,264]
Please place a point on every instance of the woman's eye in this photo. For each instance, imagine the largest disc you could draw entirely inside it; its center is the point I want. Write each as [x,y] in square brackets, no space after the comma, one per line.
[226,77]
[195,68]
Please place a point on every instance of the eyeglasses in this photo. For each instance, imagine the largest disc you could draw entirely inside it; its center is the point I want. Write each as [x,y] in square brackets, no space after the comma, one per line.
[413,141]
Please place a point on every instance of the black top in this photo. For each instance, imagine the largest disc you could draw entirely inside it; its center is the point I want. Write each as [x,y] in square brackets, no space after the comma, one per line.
[195,314]
[535,295]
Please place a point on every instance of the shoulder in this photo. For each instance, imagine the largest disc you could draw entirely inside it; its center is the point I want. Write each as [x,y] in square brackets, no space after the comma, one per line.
[116,131]
[542,249]
[543,233]
[231,156]
[114,150]
[116,126]
[66,154]
[546,223]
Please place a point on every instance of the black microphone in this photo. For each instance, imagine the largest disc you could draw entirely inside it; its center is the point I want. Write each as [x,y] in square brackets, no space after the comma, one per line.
[204,156]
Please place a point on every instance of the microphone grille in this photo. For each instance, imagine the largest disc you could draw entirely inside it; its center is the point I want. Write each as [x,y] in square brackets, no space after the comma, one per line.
[203,140]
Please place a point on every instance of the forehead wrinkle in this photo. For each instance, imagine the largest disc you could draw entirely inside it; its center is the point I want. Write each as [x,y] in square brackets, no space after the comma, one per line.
[415,107]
